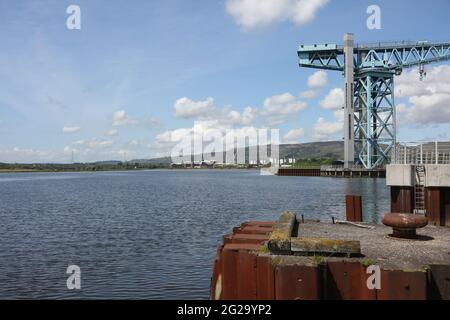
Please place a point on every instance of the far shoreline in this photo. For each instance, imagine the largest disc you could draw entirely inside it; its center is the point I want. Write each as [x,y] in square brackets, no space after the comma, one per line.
[123,170]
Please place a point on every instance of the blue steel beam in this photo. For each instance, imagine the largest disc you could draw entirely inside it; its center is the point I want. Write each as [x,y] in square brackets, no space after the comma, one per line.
[397,57]
[391,56]
[322,56]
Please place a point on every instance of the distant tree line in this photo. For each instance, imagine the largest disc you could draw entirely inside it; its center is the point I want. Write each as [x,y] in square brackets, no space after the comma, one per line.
[59,167]
[312,162]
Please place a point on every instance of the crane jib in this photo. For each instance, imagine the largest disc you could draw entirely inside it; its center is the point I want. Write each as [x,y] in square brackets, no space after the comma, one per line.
[369,107]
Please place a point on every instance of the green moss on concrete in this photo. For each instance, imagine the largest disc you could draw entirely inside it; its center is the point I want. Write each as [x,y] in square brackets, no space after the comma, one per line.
[368,262]
[318,260]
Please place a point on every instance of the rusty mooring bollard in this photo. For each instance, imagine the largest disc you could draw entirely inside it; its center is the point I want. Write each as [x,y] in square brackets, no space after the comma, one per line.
[404,225]
[353,207]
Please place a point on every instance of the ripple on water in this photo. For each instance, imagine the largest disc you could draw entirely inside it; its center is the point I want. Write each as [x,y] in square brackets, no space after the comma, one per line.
[146,234]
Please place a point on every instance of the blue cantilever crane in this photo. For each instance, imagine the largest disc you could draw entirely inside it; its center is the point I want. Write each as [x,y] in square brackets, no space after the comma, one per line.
[369,110]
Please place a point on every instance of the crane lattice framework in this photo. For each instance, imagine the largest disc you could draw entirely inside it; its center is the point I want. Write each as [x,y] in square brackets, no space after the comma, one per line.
[369,70]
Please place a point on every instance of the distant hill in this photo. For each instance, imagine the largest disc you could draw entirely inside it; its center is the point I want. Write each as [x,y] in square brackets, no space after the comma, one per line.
[333,150]
[164,160]
[314,153]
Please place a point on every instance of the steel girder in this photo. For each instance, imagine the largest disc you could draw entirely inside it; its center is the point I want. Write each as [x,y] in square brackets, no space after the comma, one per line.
[397,56]
[374,117]
[391,56]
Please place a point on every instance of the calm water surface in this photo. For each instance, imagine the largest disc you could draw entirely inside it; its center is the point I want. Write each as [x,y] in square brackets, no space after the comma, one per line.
[146,234]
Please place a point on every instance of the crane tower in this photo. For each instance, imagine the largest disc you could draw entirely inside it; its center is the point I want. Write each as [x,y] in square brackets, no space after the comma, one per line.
[369,108]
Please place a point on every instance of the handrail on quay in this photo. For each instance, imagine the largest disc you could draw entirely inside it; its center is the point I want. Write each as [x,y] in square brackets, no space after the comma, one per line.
[341,167]
[417,153]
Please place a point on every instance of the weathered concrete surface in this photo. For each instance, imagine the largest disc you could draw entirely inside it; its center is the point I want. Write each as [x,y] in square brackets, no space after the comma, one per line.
[280,238]
[303,245]
[432,247]
[400,175]
[437,175]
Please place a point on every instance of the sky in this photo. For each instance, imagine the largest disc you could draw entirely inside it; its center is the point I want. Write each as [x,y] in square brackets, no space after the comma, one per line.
[139,75]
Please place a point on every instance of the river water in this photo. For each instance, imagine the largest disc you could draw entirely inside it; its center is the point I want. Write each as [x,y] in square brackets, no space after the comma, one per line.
[146,234]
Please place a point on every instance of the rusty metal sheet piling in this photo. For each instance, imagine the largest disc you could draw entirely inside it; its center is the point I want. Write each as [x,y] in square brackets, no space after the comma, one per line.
[216,279]
[265,278]
[249,238]
[439,282]
[253,230]
[246,276]
[229,274]
[238,270]
[297,282]
[347,281]
[402,285]
[300,172]
[353,206]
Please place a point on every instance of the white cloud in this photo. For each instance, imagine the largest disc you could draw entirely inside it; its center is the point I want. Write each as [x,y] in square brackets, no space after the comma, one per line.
[25,155]
[93,149]
[334,99]
[120,118]
[293,136]
[186,108]
[133,142]
[207,130]
[318,79]
[339,114]
[278,108]
[71,129]
[437,81]
[68,150]
[251,14]
[425,110]
[206,110]
[94,143]
[428,100]
[248,115]
[309,94]
[83,151]
[316,82]
[326,130]
[112,132]
[329,130]
[79,142]
[174,136]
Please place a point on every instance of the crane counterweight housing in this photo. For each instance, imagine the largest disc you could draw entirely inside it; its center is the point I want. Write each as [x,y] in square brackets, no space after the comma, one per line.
[369,107]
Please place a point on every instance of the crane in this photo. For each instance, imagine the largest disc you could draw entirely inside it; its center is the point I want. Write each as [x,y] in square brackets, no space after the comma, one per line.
[369,107]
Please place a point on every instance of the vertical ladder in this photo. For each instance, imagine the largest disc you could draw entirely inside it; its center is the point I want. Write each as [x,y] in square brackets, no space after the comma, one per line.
[419,191]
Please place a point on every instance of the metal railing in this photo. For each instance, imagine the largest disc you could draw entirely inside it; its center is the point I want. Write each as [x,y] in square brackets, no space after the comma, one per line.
[341,167]
[436,152]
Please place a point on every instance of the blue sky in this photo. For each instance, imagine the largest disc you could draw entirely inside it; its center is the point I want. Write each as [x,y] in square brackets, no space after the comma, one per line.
[140,73]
